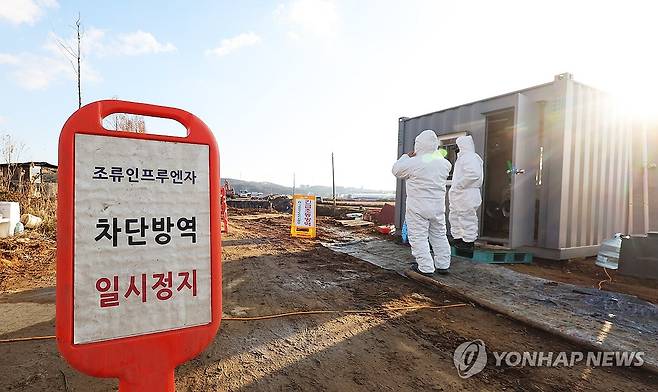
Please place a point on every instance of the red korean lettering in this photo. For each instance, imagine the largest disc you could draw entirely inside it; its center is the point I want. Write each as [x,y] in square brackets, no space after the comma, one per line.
[186,281]
[133,289]
[164,281]
[109,292]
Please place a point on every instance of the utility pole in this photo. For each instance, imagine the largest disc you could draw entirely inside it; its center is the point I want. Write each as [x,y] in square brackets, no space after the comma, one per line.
[293,184]
[333,182]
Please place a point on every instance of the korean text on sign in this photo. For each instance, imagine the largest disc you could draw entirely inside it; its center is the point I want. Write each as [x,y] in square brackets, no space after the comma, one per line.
[132,174]
[135,229]
[163,285]
[304,213]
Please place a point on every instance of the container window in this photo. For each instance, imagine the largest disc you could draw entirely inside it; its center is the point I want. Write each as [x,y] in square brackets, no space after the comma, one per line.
[451,146]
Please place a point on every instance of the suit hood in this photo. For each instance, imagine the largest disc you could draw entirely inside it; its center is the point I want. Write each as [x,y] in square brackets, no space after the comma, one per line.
[426,142]
[465,143]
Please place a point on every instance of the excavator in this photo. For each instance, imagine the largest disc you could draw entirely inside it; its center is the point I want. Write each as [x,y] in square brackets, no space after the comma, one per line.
[228,189]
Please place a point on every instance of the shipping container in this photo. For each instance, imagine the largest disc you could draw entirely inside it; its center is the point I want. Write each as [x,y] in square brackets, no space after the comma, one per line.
[565,167]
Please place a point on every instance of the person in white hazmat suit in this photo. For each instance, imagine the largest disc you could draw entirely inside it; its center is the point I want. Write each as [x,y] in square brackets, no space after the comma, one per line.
[464,195]
[426,173]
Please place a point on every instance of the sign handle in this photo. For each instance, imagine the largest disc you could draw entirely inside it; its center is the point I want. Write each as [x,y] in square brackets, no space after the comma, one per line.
[112,106]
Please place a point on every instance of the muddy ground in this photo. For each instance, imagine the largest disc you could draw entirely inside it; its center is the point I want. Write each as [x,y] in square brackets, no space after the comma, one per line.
[584,272]
[267,272]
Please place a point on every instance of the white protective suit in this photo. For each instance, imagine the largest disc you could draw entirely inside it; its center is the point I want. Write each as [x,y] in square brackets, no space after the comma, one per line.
[426,175]
[464,194]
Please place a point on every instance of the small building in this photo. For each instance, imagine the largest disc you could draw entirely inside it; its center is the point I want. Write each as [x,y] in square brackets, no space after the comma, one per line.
[37,178]
[564,167]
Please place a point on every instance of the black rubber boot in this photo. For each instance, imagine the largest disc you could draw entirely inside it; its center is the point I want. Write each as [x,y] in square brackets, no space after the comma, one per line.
[466,249]
[443,271]
[458,243]
[416,270]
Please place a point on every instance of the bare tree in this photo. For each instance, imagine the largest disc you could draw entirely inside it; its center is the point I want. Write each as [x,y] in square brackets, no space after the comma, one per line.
[10,151]
[74,55]
[125,122]
[130,123]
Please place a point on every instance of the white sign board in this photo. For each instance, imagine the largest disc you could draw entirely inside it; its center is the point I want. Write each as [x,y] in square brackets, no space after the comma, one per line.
[305,212]
[142,237]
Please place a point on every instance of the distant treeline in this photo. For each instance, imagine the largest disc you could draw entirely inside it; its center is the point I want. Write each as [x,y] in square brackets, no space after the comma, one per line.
[317,190]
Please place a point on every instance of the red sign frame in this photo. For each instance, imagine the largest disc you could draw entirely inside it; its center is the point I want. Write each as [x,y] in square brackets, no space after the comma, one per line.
[145,362]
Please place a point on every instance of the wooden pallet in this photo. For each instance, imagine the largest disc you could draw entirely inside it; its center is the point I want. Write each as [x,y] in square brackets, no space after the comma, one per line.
[354,223]
[490,256]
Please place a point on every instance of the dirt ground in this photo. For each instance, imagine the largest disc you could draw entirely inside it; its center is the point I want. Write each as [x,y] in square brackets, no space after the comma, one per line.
[585,272]
[27,262]
[267,272]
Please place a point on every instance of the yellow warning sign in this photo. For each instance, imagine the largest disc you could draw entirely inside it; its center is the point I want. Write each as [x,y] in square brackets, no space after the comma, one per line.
[303,216]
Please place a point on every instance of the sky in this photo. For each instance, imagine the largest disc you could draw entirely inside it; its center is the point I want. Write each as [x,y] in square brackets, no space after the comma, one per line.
[283,84]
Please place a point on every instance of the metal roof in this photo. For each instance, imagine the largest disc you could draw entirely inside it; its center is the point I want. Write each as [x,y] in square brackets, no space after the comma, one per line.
[30,163]
[498,96]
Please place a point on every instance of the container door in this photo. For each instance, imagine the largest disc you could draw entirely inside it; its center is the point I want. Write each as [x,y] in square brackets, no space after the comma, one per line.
[523,172]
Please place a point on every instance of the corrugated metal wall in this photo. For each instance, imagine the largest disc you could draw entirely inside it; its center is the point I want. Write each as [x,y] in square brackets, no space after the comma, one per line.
[651,143]
[598,140]
[644,179]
